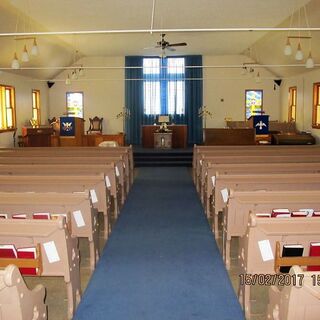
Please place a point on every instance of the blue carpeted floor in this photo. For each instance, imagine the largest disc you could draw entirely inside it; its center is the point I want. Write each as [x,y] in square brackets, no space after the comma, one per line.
[161,261]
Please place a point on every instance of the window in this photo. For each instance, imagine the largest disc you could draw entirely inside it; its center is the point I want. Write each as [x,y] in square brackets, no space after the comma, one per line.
[36,106]
[75,104]
[253,103]
[164,87]
[7,108]
[316,106]
[292,109]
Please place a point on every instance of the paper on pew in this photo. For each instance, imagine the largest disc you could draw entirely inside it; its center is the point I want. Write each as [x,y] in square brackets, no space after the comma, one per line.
[308,211]
[117,171]
[265,250]
[108,183]
[213,179]
[93,195]
[78,218]
[51,251]
[225,195]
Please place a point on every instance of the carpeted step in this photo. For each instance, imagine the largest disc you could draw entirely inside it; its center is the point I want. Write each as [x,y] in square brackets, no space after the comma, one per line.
[163,158]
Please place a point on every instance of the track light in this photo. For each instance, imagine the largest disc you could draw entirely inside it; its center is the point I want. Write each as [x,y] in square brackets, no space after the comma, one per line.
[257,78]
[81,72]
[68,81]
[15,62]
[74,75]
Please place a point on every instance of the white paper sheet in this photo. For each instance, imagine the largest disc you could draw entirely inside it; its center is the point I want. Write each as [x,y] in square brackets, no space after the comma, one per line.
[108,183]
[265,250]
[93,195]
[213,179]
[51,251]
[225,195]
[117,171]
[78,218]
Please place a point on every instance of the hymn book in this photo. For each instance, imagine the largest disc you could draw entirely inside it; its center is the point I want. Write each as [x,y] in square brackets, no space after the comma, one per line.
[314,252]
[291,250]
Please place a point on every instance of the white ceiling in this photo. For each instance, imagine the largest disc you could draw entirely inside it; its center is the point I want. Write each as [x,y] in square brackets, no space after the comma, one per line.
[83,15]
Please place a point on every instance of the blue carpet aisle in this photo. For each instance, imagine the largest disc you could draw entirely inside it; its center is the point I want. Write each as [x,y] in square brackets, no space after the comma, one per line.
[161,261]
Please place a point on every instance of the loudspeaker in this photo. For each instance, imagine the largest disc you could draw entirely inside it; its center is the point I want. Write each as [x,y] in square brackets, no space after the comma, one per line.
[50,84]
[278,82]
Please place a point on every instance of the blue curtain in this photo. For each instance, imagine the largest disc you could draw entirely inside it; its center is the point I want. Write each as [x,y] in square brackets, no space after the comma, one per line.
[134,100]
[194,98]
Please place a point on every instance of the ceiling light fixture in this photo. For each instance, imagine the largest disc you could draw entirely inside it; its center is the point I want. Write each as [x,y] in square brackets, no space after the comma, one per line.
[15,62]
[34,48]
[288,49]
[299,56]
[25,55]
[299,53]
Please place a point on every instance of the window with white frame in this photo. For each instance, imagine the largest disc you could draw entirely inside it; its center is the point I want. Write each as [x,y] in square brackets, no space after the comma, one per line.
[164,86]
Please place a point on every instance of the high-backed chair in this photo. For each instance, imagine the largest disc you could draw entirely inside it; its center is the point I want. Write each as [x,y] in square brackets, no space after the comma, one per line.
[55,124]
[95,125]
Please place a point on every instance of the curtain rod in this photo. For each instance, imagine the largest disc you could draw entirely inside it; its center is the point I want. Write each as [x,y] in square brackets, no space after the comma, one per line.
[150,31]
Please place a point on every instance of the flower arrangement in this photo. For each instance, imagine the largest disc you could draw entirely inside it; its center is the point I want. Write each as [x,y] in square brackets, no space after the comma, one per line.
[204,112]
[163,128]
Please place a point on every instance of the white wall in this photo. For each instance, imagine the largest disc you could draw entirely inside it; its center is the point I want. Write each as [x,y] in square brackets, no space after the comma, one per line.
[224,90]
[23,93]
[103,92]
[304,84]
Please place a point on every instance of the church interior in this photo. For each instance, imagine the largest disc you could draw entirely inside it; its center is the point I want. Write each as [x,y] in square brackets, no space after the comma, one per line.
[155,157]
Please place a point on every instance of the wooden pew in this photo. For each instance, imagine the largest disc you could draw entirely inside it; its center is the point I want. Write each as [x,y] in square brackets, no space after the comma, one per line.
[95,184]
[242,203]
[118,162]
[261,159]
[83,217]
[60,255]
[243,150]
[256,264]
[126,152]
[71,170]
[248,151]
[257,181]
[300,300]
[17,302]
[252,168]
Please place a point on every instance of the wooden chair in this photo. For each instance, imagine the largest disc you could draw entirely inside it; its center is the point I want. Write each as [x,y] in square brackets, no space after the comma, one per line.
[95,125]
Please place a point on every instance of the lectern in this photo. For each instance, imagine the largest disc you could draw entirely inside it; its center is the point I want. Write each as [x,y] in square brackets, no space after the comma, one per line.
[37,137]
[71,131]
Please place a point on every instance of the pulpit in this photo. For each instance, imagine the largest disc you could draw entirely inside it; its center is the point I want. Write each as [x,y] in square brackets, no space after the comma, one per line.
[71,131]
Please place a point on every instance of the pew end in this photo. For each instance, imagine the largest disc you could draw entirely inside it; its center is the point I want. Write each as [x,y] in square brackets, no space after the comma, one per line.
[298,301]
[17,302]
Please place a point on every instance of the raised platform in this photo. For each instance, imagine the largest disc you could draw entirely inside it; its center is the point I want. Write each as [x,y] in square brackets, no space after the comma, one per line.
[150,157]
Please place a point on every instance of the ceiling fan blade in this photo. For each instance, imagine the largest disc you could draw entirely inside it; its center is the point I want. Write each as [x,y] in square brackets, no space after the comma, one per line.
[180,44]
[170,49]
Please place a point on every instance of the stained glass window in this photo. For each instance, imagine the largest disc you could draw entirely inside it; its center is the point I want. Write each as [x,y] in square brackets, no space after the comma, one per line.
[254,101]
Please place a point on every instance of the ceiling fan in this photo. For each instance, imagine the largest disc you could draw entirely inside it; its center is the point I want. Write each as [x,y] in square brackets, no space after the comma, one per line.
[163,44]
